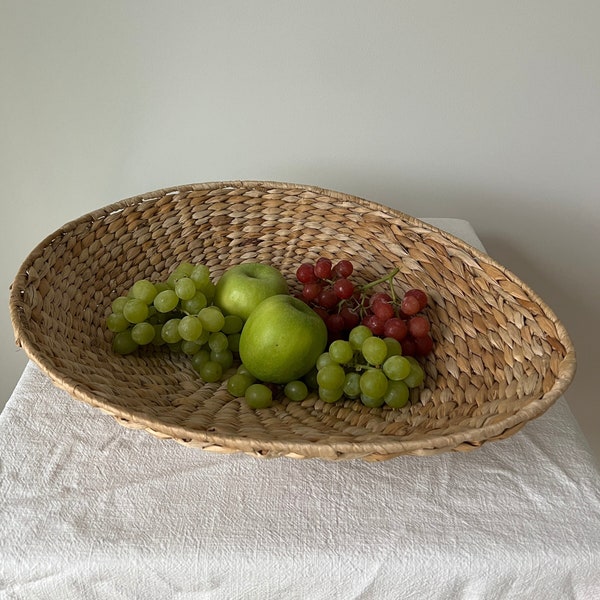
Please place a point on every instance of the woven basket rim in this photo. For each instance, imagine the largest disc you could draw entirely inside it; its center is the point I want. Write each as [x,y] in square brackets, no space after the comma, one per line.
[472,437]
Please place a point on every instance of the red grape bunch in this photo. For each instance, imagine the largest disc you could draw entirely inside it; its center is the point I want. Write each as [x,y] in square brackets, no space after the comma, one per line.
[401,320]
[343,305]
[327,288]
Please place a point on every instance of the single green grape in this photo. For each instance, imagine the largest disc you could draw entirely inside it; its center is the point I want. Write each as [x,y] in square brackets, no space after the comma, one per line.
[198,359]
[170,331]
[157,340]
[135,311]
[223,357]
[160,318]
[374,349]
[233,324]
[218,341]
[117,322]
[358,335]
[296,390]
[123,343]
[373,383]
[142,333]
[161,286]
[183,269]
[396,367]
[371,402]
[185,288]
[394,347]
[200,274]
[416,376]
[238,383]
[311,379]
[174,277]
[118,303]
[233,341]
[259,395]
[324,359]
[208,289]
[330,396]
[190,328]
[212,318]
[152,314]
[144,290]
[194,305]
[203,339]
[211,371]
[243,370]
[331,377]
[166,301]
[341,351]
[352,385]
[190,348]
[397,394]
[175,347]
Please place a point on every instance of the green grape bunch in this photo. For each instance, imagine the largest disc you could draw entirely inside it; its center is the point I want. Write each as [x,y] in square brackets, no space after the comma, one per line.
[178,313]
[369,369]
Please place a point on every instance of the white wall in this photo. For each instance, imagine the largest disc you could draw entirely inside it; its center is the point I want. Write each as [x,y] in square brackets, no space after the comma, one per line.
[488,111]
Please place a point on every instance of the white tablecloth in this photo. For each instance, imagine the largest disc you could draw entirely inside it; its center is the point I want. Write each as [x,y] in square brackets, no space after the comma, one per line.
[90,509]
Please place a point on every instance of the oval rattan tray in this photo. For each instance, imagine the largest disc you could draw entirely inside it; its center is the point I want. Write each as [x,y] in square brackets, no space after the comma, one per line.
[501,356]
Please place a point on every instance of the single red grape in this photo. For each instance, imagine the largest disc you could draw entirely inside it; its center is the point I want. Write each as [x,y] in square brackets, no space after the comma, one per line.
[343,269]
[344,288]
[418,326]
[403,316]
[410,305]
[409,347]
[378,297]
[420,295]
[321,312]
[311,290]
[351,319]
[374,323]
[383,309]
[424,345]
[327,298]
[395,328]
[305,273]
[335,323]
[323,268]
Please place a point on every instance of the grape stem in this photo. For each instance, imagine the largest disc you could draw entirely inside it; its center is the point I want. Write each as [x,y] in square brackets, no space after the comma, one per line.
[363,367]
[389,277]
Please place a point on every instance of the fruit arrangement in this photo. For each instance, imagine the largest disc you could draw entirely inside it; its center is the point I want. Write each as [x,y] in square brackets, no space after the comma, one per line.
[335,337]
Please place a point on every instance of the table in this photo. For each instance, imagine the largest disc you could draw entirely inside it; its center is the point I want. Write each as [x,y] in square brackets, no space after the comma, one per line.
[90,509]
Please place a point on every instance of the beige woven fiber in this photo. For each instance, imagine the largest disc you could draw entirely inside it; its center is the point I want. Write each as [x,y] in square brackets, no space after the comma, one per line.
[501,356]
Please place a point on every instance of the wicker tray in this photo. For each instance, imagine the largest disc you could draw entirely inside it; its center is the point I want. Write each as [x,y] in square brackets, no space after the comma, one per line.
[501,358]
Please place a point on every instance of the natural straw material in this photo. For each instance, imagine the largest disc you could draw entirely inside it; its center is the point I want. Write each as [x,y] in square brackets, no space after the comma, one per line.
[501,356]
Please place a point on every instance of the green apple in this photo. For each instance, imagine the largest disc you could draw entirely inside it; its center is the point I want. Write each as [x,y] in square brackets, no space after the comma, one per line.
[282,339]
[243,287]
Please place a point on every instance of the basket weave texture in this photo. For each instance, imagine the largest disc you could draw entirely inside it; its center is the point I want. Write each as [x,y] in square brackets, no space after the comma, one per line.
[501,356]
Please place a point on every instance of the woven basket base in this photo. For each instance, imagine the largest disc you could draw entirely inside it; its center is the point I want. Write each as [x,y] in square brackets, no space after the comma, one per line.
[501,356]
